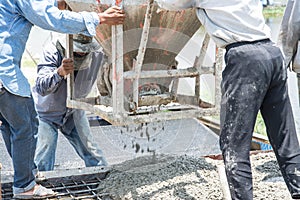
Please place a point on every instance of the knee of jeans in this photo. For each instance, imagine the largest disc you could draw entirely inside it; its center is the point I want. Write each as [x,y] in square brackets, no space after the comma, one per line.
[46,143]
[46,136]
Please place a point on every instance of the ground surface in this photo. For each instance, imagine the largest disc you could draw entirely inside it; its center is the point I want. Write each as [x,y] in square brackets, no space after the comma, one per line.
[187,178]
[182,175]
[170,177]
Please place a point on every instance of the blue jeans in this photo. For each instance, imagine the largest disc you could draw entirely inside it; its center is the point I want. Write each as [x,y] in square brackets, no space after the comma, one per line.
[79,136]
[19,131]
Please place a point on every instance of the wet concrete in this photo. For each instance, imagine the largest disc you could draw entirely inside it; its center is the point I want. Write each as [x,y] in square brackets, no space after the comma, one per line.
[177,137]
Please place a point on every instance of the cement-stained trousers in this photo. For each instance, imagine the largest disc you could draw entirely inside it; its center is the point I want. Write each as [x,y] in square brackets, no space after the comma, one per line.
[255,79]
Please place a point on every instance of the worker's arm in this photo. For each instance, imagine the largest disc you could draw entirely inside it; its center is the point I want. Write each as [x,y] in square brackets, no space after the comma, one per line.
[47,16]
[51,71]
[176,4]
[289,33]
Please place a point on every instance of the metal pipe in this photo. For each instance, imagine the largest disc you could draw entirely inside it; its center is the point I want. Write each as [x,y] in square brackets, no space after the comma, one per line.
[142,50]
[199,61]
[224,183]
[190,72]
[178,73]
[118,69]
[218,76]
[70,77]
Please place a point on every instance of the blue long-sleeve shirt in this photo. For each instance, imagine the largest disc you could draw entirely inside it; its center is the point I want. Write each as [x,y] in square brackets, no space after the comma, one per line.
[16,20]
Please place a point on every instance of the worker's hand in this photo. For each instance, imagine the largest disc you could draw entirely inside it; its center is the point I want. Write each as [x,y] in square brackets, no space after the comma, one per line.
[67,66]
[112,16]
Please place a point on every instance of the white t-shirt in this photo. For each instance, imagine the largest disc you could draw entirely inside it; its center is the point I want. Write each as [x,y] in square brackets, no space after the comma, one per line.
[226,21]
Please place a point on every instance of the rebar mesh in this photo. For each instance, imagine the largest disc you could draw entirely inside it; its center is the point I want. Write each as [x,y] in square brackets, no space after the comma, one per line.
[72,187]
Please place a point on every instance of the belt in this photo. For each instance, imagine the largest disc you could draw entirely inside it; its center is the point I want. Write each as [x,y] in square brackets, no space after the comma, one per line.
[237,44]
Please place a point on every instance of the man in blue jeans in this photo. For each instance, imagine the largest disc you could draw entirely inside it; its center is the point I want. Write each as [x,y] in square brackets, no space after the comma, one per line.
[50,93]
[17,113]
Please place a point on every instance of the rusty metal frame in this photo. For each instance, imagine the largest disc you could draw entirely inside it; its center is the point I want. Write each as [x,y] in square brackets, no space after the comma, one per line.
[114,109]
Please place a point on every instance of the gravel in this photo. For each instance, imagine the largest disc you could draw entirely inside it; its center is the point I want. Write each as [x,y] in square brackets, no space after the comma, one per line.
[183,177]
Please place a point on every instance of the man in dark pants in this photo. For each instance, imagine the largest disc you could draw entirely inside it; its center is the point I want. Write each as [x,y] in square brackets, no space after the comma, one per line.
[247,86]
[255,78]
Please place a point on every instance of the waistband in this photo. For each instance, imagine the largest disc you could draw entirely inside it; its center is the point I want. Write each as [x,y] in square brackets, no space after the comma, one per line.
[237,44]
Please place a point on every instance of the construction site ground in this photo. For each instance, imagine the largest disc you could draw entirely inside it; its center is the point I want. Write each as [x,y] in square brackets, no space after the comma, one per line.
[169,160]
[178,169]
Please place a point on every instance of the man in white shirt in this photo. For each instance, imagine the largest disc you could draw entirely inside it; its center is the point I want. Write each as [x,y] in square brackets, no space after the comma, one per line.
[255,78]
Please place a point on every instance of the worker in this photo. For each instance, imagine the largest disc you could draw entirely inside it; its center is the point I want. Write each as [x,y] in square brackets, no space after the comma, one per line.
[254,78]
[17,113]
[298,83]
[289,37]
[50,94]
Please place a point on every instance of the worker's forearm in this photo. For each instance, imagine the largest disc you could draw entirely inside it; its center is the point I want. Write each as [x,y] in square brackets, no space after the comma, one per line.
[176,4]
[47,81]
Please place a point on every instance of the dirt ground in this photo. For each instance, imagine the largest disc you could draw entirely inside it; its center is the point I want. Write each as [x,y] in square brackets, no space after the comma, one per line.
[187,178]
